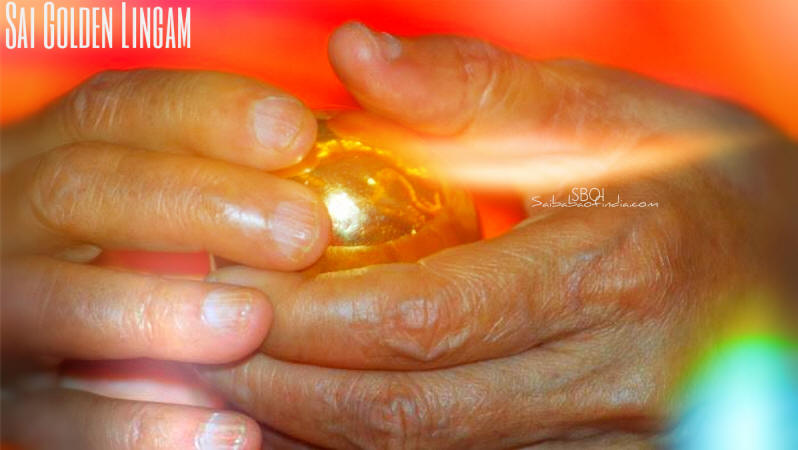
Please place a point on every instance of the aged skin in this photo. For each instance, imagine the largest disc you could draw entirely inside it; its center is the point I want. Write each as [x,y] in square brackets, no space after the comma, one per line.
[155,160]
[566,332]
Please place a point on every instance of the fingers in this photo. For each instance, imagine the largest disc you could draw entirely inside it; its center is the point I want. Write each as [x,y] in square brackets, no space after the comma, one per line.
[75,311]
[522,400]
[344,409]
[450,84]
[64,419]
[212,114]
[115,197]
[475,302]
[436,84]
[483,115]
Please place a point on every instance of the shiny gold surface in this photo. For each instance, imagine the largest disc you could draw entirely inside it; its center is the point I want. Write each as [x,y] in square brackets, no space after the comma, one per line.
[382,209]
[371,197]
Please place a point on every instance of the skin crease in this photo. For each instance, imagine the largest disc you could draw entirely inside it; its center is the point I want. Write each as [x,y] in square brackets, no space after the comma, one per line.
[566,332]
[152,160]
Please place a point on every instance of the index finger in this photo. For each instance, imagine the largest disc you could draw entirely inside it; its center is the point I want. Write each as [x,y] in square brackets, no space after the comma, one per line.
[219,115]
[116,197]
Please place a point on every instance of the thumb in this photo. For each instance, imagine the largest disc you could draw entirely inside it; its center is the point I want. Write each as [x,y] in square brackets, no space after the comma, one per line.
[485,115]
[435,84]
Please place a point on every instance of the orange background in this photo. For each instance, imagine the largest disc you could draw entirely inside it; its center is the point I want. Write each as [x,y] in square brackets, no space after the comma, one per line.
[744,50]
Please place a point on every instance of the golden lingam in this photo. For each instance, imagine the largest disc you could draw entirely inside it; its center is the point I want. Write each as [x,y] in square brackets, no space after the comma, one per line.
[371,198]
[382,208]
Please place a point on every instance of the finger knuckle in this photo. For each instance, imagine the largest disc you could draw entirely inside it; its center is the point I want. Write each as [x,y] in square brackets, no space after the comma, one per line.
[94,105]
[71,187]
[145,428]
[145,317]
[394,414]
[58,187]
[640,264]
[431,327]
[634,397]
[492,76]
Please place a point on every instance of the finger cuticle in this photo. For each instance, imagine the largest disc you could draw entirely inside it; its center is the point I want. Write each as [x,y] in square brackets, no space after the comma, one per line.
[387,46]
[222,432]
[390,46]
[277,122]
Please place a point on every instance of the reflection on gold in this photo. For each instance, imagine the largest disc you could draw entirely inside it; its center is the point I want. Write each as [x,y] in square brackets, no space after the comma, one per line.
[345,215]
[382,208]
[371,197]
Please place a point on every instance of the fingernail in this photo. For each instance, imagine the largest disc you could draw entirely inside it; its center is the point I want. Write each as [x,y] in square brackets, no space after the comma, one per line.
[276,121]
[222,432]
[293,227]
[227,309]
[389,47]
[212,277]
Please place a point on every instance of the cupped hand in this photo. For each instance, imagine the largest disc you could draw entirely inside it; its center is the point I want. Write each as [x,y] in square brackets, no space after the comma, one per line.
[150,160]
[567,330]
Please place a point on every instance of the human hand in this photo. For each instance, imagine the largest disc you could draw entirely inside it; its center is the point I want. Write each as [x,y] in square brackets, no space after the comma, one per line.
[152,160]
[565,332]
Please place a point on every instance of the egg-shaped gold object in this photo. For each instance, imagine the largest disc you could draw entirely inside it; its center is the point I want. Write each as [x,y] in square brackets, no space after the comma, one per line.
[382,208]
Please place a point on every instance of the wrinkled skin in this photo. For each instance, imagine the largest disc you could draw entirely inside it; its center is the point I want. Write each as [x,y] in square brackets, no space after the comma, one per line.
[565,332]
[155,160]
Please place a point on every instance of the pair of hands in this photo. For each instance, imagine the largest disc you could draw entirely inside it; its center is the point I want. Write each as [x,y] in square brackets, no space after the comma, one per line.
[568,330]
